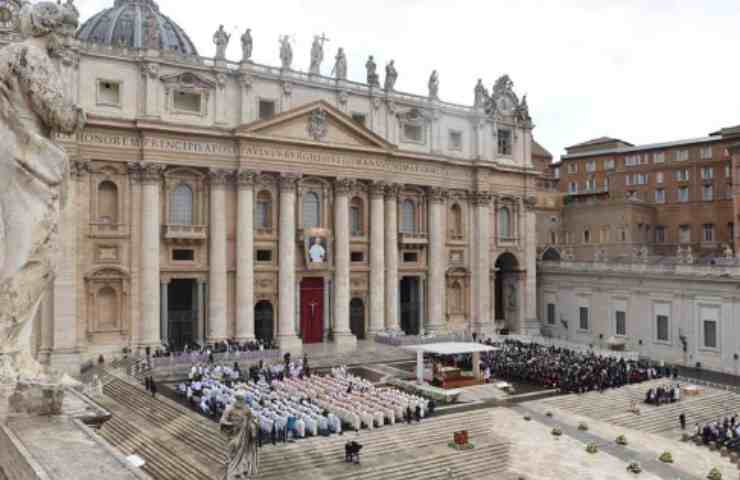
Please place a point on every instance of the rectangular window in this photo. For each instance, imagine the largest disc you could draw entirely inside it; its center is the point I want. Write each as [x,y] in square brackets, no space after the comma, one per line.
[621,320]
[659,157]
[573,167]
[606,184]
[660,196]
[456,140]
[628,179]
[708,192]
[355,216]
[708,232]
[556,173]
[413,133]
[572,187]
[710,334]
[662,328]
[359,118]
[682,175]
[266,109]
[681,155]
[590,185]
[707,173]
[728,171]
[591,166]
[659,234]
[583,318]
[551,314]
[684,234]
[357,257]
[659,177]
[109,93]
[609,164]
[187,102]
[504,142]
[683,194]
[183,255]
[632,160]
[410,257]
[705,153]
[264,255]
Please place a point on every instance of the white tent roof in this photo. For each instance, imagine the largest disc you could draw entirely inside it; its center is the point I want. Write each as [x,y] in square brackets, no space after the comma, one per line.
[451,348]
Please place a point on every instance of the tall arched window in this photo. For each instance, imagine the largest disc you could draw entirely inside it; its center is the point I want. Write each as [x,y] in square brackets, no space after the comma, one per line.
[456,222]
[408,216]
[264,209]
[355,217]
[107,202]
[504,223]
[107,303]
[456,298]
[311,210]
[181,205]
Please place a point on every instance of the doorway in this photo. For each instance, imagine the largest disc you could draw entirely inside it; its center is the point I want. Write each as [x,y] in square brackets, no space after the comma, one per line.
[357,318]
[410,306]
[507,291]
[182,312]
[312,310]
[264,323]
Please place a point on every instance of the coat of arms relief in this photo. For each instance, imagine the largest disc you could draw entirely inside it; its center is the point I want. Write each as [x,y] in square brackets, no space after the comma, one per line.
[318,125]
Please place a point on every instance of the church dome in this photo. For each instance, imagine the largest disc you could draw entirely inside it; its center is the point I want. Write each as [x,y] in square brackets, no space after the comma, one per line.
[136,24]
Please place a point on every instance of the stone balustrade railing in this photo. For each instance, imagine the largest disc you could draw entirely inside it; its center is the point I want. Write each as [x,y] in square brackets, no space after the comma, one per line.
[724,269]
[186,232]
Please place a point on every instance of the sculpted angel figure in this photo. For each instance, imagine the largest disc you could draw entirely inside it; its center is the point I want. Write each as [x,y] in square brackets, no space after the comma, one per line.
[240,426]
[33,175]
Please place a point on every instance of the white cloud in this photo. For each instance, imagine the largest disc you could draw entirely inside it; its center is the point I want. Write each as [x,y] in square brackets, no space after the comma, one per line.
[639,70]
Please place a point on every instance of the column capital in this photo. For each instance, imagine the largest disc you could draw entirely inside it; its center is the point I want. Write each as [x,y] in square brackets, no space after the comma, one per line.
[219,176]
[377,189]
[529,202]
[288,182]
[392,190]
[437,194]
[246,177]
[149,173]
[482,199]
[343,186]
[79,168]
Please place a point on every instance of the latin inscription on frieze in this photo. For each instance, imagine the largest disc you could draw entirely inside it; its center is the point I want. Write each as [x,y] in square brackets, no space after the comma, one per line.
[150,143]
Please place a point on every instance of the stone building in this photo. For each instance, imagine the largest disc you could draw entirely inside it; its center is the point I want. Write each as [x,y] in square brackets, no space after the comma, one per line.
[213,199]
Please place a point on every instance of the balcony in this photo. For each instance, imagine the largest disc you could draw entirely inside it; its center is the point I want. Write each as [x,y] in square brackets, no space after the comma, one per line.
[186,233]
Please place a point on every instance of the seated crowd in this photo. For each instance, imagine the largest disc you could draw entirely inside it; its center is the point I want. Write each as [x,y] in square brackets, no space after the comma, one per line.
[724,432]
[226,346]
[663,394]
[290,402]
[564,369]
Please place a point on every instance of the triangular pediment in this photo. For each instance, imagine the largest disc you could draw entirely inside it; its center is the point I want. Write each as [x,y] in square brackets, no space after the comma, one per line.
[316,122]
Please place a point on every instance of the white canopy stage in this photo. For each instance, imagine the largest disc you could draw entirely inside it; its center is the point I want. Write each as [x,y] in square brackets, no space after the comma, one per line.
[450,348]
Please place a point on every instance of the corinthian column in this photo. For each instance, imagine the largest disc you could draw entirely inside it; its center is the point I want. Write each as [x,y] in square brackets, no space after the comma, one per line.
[150,228]
[245,257]
[391,258]
[287,338]
[482,323]
[217,284]
[437,262]
[342,333]
[377,259]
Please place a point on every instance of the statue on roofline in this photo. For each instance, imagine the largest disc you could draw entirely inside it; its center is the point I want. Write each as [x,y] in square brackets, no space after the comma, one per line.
[221,40]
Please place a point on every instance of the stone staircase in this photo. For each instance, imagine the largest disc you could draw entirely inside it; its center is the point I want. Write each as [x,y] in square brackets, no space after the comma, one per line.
[178,444]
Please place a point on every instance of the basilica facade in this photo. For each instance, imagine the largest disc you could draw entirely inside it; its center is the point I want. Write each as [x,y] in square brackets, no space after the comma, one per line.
[211,199]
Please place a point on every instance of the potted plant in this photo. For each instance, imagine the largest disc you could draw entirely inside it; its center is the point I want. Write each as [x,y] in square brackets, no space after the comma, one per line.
[634,467]
[666,457]
[592,448]
[621,440]
[714,474]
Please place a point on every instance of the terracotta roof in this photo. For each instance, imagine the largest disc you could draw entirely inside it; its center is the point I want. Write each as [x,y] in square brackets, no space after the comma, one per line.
[598,141]
[540,151]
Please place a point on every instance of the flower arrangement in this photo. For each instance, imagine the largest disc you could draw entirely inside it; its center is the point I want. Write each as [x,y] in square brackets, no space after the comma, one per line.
[666,457]
[621,440]
[557,431]
[583,426]
[634,467]
[714,474]
[592,448]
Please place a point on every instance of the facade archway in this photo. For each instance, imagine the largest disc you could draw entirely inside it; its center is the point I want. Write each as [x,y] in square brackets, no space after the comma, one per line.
[357,318]
[551,255]
[508,292]
[264,321]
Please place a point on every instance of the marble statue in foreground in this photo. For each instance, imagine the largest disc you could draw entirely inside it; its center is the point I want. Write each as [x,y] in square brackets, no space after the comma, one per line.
[241,427]
[33,171]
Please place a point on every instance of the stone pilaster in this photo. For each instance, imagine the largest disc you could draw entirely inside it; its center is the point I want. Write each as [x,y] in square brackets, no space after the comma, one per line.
[246,82]
[342,333]
[392,321]
[287,338]
[245,257]
[377,259]
[150,73]
[164,311]
[217,284]
[221,102]
[532,324]
[482,323]
[437,261]
[151,179]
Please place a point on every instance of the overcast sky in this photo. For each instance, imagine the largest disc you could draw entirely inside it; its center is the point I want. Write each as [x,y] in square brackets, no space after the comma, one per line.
[641,70]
